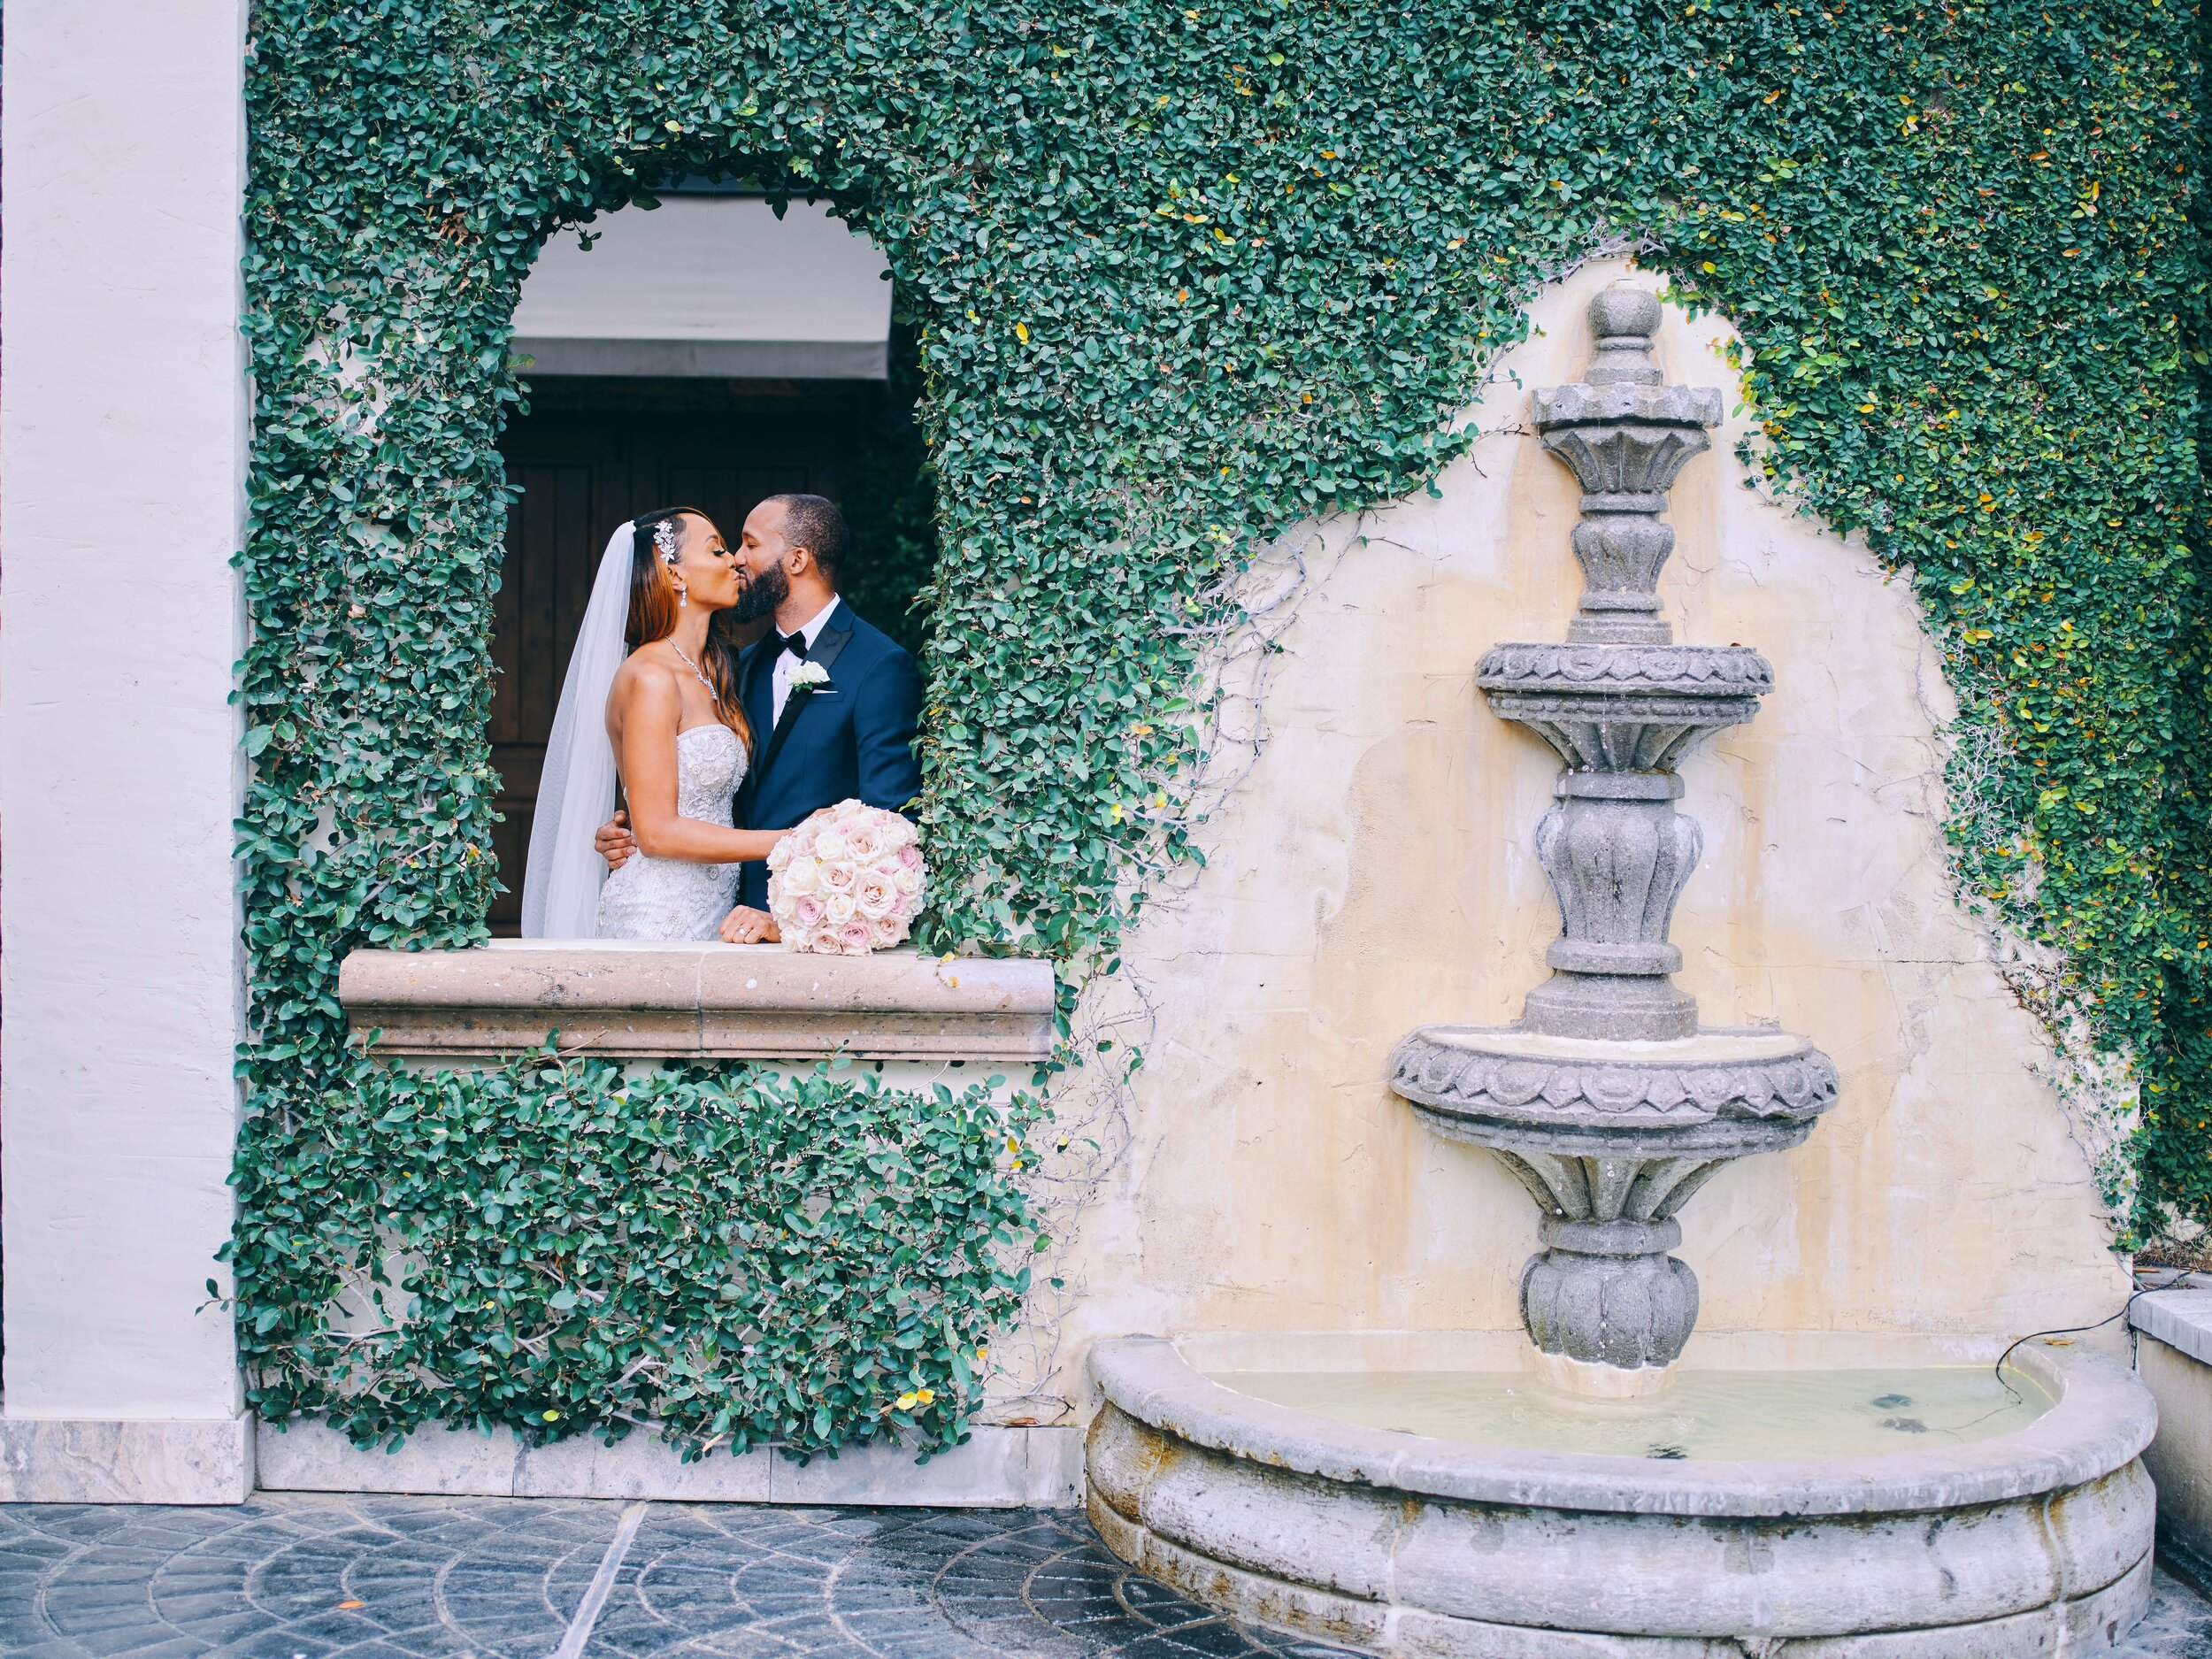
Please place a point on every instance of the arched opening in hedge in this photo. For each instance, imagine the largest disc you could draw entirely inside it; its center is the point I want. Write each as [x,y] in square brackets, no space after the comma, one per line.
[706,345]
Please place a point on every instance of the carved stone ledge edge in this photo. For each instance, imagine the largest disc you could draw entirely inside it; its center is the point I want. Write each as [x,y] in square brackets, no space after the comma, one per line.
[1516,1088]
[702,1001]
[672,1034]
[1642,1142]
[1683,669]
[1579,404]
[1617,711]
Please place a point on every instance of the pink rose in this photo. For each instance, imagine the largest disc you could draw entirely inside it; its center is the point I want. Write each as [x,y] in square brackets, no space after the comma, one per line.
[877,894]
[806,910]
[910,855]
[884,934]
[839,877]
[856,935]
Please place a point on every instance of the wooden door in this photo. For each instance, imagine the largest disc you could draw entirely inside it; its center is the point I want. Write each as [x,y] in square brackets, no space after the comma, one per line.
[582,470]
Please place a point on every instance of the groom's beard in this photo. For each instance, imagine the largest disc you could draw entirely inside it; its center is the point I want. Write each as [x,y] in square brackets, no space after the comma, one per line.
[761,595]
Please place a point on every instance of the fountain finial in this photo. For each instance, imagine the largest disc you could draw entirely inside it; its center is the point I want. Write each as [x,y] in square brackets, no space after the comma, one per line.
[1627,437]
[1624,320]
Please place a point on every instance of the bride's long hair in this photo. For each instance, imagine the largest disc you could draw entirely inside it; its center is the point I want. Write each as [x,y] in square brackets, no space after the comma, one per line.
[653,607]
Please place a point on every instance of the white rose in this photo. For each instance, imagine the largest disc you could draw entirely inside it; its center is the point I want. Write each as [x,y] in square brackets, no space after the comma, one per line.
[886,934]
[841,908]
[864,842]
[800,875]
[838,877]
[831,845]
[907,879]
[798,939]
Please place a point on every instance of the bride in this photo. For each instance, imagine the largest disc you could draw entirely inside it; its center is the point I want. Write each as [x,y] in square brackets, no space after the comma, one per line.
[664,719]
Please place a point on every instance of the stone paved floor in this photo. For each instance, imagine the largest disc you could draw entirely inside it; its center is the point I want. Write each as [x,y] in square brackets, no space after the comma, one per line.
[302,1577]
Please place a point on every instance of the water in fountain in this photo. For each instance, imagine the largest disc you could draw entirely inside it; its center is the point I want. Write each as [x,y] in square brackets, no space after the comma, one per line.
[1726,1415]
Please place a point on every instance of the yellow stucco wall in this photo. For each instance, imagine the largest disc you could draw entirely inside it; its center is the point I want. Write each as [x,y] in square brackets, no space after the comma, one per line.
[1374,871]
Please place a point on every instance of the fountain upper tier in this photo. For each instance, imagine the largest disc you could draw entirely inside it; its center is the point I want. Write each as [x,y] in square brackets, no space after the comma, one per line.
[1627,437]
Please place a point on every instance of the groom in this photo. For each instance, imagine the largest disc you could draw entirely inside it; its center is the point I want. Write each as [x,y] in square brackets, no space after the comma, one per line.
[832,701]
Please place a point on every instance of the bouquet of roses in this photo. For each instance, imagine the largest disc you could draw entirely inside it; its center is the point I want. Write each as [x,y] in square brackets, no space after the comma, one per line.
[846,881]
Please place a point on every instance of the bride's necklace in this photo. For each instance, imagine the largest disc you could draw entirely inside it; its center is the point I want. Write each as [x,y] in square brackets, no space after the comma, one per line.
[696,669]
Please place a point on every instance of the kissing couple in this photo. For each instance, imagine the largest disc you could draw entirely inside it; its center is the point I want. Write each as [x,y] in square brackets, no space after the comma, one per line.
[658,701]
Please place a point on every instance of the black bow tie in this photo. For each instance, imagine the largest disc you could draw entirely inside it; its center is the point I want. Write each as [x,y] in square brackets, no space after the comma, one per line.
[795,643]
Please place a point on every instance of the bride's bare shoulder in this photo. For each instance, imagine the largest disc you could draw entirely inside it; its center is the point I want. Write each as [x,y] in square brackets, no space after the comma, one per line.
[645,683]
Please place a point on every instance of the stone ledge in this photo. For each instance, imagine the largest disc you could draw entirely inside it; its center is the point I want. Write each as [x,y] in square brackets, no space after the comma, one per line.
[688,1000]
[2176,1365]
[998,1468]
[73,1460]
[2179,1318]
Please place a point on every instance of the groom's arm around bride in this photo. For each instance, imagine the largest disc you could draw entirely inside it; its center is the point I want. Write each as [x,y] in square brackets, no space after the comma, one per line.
[833,702]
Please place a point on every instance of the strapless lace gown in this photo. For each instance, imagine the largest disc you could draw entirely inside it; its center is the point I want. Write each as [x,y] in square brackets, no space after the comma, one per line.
[667,898]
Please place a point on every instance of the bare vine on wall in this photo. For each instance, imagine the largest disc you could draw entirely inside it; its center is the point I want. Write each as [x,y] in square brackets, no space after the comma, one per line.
[1082,1140]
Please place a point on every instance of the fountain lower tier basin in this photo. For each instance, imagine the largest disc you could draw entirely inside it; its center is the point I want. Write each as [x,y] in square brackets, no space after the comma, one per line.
[2032,1542]
[1465,1078]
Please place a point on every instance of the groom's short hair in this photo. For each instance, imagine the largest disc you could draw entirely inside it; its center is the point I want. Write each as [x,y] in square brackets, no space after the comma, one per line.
[814,522]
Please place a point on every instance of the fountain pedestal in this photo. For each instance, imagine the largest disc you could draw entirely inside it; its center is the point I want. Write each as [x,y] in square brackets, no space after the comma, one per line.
[1607,1100]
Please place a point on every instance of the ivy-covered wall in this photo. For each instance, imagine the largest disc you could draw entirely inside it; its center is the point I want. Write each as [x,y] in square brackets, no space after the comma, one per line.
[1186,276]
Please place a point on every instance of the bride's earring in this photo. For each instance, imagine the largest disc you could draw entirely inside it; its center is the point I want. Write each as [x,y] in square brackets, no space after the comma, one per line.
[683,597]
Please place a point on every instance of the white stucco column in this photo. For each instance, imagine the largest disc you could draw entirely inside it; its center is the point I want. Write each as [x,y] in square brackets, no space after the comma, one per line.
[123,412]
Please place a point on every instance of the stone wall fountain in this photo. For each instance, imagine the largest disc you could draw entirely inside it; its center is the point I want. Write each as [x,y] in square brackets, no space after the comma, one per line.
[1606,1500]
[1607,1100]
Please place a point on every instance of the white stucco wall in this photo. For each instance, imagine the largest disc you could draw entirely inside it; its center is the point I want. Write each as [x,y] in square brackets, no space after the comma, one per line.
[122,435]
[1375,871]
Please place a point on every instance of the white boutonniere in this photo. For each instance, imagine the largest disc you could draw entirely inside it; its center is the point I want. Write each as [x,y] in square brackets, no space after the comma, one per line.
[809,677]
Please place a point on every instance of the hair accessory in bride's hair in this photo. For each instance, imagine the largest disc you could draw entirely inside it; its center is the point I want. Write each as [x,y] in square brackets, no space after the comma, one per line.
[666,538]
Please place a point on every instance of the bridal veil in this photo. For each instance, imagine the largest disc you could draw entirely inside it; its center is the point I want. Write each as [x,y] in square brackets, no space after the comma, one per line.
[560,883]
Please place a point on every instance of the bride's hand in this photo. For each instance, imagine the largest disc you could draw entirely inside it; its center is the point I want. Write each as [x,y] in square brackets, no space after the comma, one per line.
[614,843]
[746,925]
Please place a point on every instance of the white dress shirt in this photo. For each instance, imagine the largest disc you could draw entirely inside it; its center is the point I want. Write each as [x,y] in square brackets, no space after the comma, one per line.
[779,681]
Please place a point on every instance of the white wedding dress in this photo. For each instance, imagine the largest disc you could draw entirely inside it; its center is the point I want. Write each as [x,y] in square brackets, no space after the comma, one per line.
[668,898]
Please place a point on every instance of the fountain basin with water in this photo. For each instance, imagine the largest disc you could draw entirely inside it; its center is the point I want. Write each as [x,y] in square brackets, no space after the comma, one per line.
[2033,1543]
[1603,1504]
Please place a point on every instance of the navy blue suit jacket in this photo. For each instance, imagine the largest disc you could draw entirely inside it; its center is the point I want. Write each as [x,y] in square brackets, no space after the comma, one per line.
[850,739]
